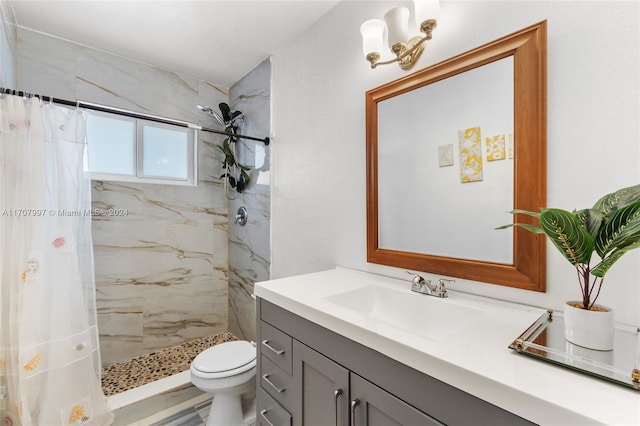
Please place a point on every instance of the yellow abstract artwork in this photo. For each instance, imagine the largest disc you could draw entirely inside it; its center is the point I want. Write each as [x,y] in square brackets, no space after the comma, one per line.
[470,144]
[495,148]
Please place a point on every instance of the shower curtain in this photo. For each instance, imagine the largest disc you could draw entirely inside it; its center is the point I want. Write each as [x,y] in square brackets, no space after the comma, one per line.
[49,353]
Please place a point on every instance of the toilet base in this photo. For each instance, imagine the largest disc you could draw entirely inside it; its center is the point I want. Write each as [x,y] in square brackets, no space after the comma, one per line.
[226,411]
[232,386]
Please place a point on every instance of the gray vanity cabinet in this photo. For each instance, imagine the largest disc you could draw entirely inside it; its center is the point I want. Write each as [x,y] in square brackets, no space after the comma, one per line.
[372,406]
[309,375]
[331,395]
[324,399]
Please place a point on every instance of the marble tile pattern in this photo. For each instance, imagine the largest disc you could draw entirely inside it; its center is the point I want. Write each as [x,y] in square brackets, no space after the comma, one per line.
[7,46]
[161,270]
[249,245]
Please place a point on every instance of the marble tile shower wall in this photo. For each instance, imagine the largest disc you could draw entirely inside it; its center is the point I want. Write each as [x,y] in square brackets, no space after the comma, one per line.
[7,46]
[249,245]
[161,270]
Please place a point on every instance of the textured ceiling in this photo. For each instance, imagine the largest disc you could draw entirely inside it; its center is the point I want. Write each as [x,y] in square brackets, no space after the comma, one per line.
[217,41]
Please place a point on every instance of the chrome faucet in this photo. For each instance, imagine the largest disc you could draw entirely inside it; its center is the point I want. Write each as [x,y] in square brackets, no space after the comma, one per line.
[422,286]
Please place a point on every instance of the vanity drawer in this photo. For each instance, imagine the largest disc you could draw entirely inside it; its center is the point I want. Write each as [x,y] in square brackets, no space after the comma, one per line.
[270,413]
[277,383]
[276,346]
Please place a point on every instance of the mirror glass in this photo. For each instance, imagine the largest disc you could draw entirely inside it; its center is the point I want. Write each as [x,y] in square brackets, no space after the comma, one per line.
[450,150]
[433,197]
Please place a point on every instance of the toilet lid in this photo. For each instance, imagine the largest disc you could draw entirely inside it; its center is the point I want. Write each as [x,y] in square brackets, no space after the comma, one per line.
[225,356]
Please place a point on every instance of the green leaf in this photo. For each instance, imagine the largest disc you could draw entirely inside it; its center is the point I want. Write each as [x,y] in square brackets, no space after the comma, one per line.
[591,219]
[225,110]
[567,234]
[232,129]
[622,230]
[601,269]
[527,226]
[611,203]
[241,184]
[527,212]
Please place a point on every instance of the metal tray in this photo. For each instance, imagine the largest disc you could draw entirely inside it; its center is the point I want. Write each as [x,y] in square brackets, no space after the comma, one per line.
[544,340]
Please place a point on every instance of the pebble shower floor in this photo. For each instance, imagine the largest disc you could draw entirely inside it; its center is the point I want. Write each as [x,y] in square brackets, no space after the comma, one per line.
[138,371]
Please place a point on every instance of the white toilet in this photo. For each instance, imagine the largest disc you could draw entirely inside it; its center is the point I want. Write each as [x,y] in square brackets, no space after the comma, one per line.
[227,371]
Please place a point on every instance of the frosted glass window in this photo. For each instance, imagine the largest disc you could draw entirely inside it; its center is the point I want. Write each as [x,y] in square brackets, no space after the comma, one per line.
[165,152]
[112,144]
[134,149]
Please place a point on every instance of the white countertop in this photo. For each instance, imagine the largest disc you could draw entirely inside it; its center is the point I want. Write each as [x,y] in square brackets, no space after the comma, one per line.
[475,359]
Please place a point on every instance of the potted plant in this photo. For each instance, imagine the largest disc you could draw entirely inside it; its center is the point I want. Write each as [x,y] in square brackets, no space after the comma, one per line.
[610,228]
[235,173]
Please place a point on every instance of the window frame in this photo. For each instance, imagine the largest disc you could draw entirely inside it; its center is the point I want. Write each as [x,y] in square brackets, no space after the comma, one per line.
[139,122]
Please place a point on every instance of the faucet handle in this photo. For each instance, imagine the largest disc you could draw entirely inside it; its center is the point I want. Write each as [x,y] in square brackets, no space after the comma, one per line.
[420,285]
[417,283]
[441,286]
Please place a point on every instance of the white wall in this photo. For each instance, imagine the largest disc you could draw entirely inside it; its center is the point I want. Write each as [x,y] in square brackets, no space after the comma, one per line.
[319,81]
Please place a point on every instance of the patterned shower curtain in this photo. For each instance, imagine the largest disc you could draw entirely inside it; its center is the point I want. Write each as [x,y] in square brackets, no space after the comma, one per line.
[49,353]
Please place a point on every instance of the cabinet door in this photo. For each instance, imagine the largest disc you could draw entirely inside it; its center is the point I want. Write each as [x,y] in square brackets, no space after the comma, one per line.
[372,406]
[322,389]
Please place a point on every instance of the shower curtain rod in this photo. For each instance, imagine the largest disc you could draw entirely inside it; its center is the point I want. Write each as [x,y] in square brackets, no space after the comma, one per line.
[127,113]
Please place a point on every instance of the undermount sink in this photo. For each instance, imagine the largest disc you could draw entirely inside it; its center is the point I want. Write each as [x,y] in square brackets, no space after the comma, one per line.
[430,317]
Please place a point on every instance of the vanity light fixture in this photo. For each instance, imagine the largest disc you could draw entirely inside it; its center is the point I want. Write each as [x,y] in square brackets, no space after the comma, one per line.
[395,28]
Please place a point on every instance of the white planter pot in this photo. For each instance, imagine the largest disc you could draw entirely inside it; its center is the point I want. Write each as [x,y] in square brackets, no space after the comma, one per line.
[589,329]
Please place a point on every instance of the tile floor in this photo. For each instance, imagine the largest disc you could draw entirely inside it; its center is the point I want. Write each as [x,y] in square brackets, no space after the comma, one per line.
[193,413]
[191,416]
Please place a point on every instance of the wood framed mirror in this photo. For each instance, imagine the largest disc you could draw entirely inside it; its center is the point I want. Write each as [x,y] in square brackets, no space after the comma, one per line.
[523,55]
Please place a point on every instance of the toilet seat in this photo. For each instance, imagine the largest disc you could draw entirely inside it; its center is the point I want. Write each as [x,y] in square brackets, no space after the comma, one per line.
[225,360]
